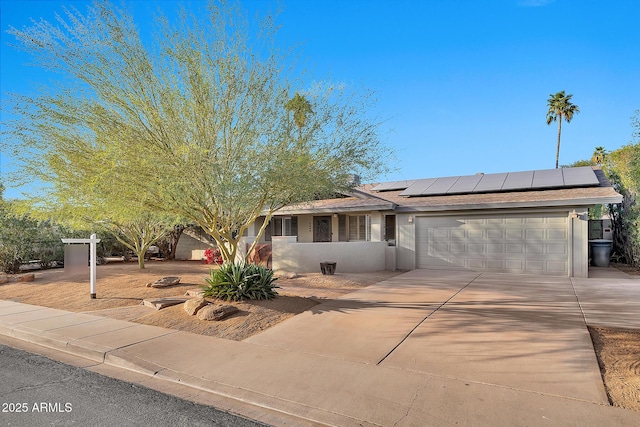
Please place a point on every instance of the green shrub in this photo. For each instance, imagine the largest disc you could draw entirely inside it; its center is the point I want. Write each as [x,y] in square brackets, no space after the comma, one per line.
[236,282]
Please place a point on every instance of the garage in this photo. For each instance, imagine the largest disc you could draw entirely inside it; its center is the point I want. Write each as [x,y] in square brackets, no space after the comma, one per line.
[532,243]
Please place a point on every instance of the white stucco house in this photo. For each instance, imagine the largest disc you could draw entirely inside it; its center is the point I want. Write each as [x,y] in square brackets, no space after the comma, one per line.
[532,222]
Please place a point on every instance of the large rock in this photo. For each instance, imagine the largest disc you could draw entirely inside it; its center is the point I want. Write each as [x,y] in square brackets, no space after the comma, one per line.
[216,312]
[194,305]
[165,281]
[160,303]
[3,278]
[30,277]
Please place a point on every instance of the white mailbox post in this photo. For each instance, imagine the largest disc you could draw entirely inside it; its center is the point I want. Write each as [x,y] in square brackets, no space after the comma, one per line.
[92,259]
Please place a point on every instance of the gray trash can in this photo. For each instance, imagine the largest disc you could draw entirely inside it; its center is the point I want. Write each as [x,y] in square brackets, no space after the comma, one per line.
[600,252]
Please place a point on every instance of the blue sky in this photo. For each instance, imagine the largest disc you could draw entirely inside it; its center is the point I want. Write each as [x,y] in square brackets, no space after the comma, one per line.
[462,84]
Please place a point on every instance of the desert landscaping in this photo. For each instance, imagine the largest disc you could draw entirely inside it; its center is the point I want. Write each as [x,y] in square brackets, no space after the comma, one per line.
[122,288]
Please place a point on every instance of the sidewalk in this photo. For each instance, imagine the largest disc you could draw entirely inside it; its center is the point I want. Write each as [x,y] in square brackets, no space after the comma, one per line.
[423,348]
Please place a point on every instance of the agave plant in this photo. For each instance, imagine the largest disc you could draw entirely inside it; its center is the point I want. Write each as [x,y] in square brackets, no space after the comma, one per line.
[236,282]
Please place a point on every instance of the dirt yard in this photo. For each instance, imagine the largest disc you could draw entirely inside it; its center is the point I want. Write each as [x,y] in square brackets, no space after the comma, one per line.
[121,288]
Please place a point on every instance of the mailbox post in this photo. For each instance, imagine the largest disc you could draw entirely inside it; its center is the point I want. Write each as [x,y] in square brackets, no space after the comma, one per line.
[92,241]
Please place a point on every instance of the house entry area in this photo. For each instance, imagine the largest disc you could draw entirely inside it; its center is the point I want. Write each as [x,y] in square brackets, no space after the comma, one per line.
[322,228]
[513,243]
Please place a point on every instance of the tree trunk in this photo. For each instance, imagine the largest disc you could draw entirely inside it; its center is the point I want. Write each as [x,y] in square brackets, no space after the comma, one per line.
[141,261]
[558,147]
[169,244]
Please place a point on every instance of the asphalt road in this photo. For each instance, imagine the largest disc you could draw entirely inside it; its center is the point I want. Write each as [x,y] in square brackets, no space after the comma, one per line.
[37,391]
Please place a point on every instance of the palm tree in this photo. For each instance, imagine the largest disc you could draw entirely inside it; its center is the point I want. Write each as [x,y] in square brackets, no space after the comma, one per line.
[301,108]
[599,154]
[560,107]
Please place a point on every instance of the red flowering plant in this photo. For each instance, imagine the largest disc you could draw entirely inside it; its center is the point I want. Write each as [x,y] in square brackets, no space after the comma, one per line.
[213,256]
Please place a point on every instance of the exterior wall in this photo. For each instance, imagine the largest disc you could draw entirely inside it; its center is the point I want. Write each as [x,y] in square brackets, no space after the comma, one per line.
[579,258]
[190,249]
[305,228]
[351,257]
[406,242]
[377,226]
[390,254]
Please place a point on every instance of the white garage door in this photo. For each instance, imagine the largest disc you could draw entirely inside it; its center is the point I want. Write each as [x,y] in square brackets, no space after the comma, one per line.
[536,244]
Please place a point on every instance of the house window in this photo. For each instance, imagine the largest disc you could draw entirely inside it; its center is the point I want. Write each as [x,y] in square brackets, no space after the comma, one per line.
[389,227]
[359,227]
[281,226]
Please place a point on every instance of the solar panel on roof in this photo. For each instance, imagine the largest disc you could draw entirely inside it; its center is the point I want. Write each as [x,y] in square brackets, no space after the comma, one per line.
[495,182]
[582,176]
[490,182]
[418,187]
[518,181]
[547,178]
[465,184]
[394,185]
[441,186]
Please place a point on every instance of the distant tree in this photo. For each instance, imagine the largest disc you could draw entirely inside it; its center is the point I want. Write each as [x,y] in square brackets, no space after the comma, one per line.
[301,109]
[196,126]
[599,156]
[623,170]
[138,235]
[24,239]
[559,108]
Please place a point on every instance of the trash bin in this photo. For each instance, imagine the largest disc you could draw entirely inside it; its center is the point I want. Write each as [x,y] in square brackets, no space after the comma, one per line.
[328,267]
[600,252]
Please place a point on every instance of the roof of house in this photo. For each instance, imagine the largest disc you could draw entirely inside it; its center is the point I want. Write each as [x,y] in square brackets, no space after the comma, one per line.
[583,186]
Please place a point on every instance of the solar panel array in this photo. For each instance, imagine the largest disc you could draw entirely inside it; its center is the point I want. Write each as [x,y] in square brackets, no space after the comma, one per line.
[495,182]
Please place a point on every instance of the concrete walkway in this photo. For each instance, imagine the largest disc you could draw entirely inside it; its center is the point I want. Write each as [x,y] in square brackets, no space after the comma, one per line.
[423,348]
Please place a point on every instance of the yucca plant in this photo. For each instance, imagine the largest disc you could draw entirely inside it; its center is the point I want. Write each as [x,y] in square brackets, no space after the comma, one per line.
[236,282]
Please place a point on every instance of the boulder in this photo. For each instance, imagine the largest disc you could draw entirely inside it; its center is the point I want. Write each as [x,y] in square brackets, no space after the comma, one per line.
[30,277]
[216,312]
[160,303]
[194,305]
[165,281]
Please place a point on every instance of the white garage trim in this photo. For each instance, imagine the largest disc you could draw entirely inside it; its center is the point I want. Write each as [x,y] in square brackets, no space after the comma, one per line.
[533,243]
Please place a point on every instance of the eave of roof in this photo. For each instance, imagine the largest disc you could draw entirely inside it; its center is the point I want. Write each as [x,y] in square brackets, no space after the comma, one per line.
[347,204]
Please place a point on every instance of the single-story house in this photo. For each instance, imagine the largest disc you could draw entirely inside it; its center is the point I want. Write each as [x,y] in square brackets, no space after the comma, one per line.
[532,222]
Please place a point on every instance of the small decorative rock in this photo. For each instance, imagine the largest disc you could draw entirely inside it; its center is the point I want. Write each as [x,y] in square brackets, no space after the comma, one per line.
[216,312]
[3,279]
[194,293]
[194,305]
[289,275]
[26,278]
[165,281]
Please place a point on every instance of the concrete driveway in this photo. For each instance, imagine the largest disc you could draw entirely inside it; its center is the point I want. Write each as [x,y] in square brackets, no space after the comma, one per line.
[425,348]
[522,332]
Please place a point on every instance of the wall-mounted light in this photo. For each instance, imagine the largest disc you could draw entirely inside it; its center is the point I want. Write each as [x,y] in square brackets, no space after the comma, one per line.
[410,219]
[335,215]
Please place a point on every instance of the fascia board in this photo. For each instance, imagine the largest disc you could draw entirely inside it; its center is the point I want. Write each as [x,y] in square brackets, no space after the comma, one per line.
[511,205]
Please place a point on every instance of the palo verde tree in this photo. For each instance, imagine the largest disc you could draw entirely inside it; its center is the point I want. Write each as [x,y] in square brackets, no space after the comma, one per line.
[205,121]
[559,108]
